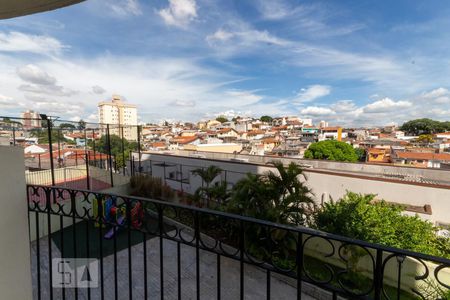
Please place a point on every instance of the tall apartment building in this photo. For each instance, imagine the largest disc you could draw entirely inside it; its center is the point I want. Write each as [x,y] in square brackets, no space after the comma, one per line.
[30,119]
[118,113]
[323,124]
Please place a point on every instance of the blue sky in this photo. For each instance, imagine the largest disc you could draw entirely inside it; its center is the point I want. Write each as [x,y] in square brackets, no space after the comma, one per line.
[352,63]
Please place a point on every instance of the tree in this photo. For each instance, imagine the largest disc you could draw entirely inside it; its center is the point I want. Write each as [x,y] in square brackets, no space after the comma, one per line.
[81,125]
[424,126]
[42,135]
[9,121]
[116,148]
[267,119]
[332,150]
[425,139]
[222,119]
[361,154]
[66,126]
[208,175]
[359,216]
[278,197]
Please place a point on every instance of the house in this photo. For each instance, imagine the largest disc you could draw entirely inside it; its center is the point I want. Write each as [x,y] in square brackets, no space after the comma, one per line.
[220,148]
[309,134]
[378,155]
[180,142]
[269,143]
[443,135]
[255,134]
[188,133]
[211,124]
[158,146]
[227,134]
[243,125]
[332,133]
[421,159]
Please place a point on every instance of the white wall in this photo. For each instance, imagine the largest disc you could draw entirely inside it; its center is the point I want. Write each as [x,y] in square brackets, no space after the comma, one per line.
[323,184]
[368,169]
[15,268]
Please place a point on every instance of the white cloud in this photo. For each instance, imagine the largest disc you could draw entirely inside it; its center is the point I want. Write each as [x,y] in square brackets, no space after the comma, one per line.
[439,92]
[246,97]
[20,42]
[96,89]
[124,8]
[53,90]
[183,103]
[92,118]
[317,111]
[40,82]
[7,102]
[386,105]
[57,108]
[344,106]
[179,13]
[244,36]
[274,9]
[312,92]
[219,35]
[439,95]
[36,75]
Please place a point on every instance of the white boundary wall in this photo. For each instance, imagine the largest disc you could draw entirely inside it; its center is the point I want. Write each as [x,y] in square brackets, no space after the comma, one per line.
[324,185]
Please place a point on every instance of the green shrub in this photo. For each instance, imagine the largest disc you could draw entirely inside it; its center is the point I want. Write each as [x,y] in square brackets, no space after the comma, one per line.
[332,150]
[150,187]
[359,216]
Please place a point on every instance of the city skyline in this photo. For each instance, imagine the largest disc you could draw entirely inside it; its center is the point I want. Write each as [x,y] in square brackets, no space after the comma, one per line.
[352,65]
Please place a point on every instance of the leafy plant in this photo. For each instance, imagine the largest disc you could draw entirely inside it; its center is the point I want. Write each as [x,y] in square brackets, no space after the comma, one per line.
[430,289]
[359,216]
[425,126]
[332,150]
[222,119]
[150,187]
[209,192]
[116,148]
[281,198]
[425,138]
[266,119]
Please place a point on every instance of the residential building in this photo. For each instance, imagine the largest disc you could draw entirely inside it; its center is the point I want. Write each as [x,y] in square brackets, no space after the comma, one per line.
[218,148]
[309,134]
[30,119]
[306,122]
[323,124]
[227,134]
[421,159]
[119,114]
[378,155]
[332,133]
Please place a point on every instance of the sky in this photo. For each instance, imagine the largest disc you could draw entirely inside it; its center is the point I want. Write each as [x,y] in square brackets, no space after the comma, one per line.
[351,63]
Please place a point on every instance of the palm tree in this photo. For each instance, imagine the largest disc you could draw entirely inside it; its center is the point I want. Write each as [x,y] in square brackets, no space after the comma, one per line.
[207,175]
[280,198]
[294,198]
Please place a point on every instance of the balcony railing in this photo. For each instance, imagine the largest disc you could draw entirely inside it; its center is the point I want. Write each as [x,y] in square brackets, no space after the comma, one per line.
[150,249]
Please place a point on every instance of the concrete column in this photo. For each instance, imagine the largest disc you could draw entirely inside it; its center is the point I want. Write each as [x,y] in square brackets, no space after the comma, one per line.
[15,266]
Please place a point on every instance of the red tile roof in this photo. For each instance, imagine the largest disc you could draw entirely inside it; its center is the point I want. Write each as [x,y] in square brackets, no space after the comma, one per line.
[184,140]
[424,156]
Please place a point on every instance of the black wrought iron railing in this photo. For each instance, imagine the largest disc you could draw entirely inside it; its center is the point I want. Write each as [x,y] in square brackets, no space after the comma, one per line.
[150,249]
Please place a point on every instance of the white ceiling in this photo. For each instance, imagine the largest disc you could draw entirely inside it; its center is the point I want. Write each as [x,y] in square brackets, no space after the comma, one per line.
[16,8]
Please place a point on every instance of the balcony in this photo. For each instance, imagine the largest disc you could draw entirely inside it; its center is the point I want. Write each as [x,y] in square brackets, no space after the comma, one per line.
[171,251]
[147,249]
